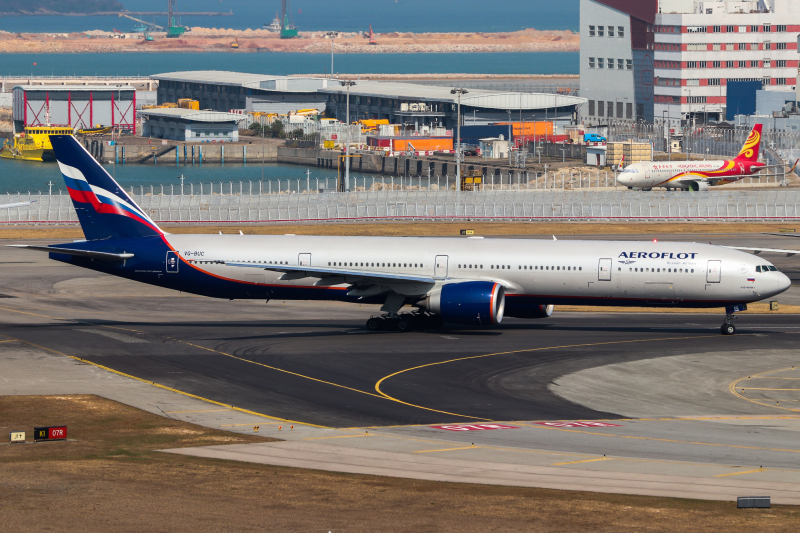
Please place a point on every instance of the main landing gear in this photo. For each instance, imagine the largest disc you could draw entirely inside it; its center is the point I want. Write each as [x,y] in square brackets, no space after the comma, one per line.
[404,322]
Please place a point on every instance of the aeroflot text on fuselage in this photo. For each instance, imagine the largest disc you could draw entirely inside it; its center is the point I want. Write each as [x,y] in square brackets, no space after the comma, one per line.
[657,255]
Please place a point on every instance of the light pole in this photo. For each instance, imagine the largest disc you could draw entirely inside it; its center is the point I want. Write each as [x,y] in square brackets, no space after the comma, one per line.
[332,34]
[665,120]
[459,155]
[347,84]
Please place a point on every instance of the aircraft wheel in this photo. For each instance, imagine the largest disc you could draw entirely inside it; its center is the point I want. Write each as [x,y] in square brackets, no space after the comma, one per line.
[727,329]
[374,324]
[402,324]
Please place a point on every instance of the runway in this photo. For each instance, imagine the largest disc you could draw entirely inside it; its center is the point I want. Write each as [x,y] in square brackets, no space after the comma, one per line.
[669,383]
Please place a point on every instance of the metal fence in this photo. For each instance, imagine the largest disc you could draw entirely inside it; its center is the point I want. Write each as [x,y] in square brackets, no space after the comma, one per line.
[706,142]
[521,205]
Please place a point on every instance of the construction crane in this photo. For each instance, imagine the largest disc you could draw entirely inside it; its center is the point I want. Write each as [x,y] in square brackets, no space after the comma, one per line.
[150,25]
[288,31]
[372,36]
[174,29]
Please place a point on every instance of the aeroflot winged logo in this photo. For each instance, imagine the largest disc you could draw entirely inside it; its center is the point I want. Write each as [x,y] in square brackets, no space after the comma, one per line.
[656,255]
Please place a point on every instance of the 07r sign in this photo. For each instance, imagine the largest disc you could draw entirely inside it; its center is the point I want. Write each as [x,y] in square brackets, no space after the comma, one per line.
[474,427]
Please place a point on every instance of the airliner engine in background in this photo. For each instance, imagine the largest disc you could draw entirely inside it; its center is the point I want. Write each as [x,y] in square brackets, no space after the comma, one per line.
[469,281]
[698,175]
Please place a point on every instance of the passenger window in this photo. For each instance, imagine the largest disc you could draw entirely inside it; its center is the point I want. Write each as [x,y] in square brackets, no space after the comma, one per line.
[503,267]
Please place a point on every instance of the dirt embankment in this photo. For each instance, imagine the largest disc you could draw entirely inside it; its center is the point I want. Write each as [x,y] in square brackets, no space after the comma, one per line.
[220,40]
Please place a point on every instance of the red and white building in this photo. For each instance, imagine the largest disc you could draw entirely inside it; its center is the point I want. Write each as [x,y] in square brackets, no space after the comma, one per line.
[77,106]
[698,47]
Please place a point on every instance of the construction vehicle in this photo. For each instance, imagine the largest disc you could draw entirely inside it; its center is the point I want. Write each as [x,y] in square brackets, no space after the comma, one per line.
[165,105]
[148,37]
[235,43]
[188,103]
[372,36]
[471,180]
[371,125]
[288,31]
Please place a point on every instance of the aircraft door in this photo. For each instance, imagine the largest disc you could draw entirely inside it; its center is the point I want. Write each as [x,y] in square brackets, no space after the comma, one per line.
[440,267]
[604,270]
[304,260]
[172,262]
[714,273]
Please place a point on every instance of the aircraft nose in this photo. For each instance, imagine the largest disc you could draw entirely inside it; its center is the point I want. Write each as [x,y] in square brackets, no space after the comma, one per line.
[784,282]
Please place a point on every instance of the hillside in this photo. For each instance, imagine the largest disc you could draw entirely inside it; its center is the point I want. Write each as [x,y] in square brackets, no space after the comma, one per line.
[31,7]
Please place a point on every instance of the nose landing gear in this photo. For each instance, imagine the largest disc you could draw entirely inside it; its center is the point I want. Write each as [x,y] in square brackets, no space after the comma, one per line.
[728,328]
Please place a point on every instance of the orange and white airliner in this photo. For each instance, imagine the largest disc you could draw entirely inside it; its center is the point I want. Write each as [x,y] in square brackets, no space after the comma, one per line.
[697,175]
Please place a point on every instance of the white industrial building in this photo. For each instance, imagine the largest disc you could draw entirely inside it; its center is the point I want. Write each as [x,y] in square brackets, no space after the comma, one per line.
[191,126]
[672,59]
[77,106]
[402,103]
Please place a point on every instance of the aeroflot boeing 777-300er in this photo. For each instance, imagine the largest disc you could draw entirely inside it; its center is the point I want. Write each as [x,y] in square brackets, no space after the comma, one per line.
[470,281]
[697,175]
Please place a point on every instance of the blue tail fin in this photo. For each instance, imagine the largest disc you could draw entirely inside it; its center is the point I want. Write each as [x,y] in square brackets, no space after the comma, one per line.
[104,210]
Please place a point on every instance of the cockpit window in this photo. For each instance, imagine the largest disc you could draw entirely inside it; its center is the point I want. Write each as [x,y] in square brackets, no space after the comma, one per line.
[772,268]
[758,268]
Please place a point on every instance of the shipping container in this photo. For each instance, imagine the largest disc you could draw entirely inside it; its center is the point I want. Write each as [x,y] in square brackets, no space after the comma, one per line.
[470,135]
[418,144]
[379,142]
[528,129]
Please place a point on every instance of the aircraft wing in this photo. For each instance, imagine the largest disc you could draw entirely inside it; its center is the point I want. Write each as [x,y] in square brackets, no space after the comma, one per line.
[72,251]
[784,234]
[18,204]
[362,282]
[756,251]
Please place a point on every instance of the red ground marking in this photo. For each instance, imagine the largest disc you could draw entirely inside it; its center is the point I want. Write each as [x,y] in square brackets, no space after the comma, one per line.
[578,424]
[474,427]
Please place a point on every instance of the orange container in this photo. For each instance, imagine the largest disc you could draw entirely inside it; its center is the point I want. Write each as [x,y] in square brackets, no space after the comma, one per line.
[524,129]
[418,144]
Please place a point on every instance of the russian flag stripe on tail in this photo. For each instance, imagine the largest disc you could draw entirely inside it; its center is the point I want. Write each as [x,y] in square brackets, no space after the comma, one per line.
[104,209]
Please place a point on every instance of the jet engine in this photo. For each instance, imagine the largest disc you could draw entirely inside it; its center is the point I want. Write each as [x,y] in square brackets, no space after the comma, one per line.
[469,302]
[529,311]
[695,186]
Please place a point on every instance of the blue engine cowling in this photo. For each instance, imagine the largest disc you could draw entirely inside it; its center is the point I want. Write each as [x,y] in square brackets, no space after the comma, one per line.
[469,302]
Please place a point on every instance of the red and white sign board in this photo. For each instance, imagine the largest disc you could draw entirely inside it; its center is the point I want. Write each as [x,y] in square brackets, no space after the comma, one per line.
[474,427]
[578,424]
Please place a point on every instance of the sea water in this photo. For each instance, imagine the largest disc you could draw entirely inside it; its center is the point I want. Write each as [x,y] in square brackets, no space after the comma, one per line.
[285,64]
[417,16]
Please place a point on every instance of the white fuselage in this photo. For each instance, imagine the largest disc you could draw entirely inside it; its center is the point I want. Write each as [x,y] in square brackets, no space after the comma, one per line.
[677,174]
[546,271]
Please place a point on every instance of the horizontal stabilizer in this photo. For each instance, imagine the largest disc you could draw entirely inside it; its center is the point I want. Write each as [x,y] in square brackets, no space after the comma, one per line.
[18,204]
[71,251]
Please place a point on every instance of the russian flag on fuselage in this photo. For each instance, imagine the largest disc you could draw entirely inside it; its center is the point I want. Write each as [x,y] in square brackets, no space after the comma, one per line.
[104,209]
